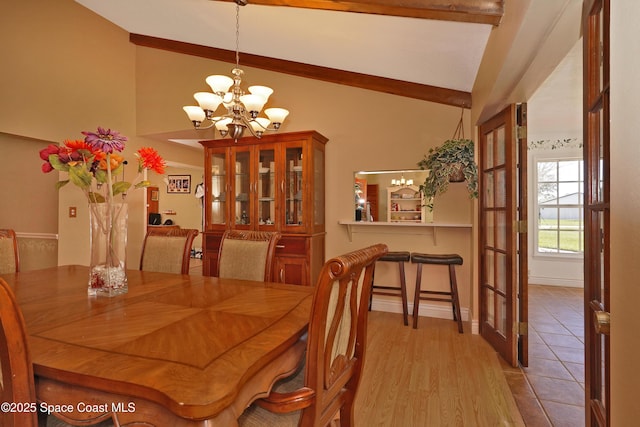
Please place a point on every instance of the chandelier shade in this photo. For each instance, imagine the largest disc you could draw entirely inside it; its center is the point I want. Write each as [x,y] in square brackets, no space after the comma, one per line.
[242,108]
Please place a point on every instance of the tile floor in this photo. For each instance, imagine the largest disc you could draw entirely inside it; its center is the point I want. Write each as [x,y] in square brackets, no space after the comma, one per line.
[556,353]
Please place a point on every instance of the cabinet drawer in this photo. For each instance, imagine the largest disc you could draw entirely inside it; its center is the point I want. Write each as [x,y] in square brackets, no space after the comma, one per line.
[292,246]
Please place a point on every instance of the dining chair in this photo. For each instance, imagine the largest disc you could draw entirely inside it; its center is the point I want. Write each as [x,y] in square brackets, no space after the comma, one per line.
[16,370]
[247,255]
[324,391]
[167,250]
[9,258]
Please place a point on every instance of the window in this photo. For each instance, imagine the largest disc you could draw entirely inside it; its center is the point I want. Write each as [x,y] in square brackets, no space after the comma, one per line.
[560,199]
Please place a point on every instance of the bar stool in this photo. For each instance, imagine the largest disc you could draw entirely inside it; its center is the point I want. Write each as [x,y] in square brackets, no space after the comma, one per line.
[400,258]
[450,260]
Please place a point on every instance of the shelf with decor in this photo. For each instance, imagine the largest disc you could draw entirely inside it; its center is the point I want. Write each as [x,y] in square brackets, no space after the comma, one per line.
[405,204]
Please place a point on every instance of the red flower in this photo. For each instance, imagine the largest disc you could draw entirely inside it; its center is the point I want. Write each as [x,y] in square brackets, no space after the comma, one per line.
[44,155]
[150,159]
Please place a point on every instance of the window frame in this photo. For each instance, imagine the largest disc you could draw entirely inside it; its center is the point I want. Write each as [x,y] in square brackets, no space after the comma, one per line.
[569,155]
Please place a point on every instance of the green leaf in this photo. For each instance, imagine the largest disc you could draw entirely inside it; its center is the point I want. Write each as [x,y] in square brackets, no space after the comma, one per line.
[101,176]
[120,187]
[95,197]
[80,176]
[54,159]
[61,184]
[142,184]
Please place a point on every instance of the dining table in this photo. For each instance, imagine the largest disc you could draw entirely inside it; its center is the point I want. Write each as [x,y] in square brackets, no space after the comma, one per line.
[175,350]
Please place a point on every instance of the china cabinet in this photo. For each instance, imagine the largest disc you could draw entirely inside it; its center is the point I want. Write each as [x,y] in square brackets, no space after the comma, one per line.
[272,183]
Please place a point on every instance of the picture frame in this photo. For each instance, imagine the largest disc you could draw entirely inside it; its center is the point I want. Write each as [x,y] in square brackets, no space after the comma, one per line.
[179,184]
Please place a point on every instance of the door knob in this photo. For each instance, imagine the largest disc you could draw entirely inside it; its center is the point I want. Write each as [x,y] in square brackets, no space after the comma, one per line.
[602,321]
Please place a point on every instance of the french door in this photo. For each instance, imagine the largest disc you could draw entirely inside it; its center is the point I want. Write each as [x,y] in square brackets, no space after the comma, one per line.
[503,242]
[597,213]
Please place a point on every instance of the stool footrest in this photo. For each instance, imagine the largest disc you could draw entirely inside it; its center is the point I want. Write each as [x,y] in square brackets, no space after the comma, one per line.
[436,299]
[436,292]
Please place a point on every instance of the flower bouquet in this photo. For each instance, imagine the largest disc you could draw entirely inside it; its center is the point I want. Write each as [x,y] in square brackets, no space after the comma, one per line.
[94,165]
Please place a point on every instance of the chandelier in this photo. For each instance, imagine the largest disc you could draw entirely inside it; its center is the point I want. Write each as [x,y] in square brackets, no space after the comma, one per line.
[242,109]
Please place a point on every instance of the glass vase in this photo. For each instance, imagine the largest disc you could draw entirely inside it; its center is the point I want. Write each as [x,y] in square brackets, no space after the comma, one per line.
[108,271]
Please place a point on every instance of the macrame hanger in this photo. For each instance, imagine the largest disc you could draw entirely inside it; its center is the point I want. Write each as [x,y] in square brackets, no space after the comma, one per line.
[459,132]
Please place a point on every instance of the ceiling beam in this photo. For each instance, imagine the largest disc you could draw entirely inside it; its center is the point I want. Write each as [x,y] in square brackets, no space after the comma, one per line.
[476,11]
[364,81]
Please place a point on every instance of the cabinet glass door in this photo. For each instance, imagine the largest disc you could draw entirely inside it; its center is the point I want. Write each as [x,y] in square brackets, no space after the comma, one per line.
[218,213]
[242,188]
[294,187]
[266,187]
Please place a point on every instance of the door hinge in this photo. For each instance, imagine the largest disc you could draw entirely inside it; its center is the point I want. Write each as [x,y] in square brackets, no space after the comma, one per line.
[521,132]
[521,227]
[523,328]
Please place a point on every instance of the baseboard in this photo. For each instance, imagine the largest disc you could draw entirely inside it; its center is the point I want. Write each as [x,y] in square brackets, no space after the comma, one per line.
[426,309]
[554,281]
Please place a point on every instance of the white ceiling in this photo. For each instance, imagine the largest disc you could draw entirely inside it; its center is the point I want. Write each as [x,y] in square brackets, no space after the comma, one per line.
[437,53]
[430,52]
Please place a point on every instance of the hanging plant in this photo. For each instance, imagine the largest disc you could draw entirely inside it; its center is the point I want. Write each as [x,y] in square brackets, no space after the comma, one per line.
[453,161]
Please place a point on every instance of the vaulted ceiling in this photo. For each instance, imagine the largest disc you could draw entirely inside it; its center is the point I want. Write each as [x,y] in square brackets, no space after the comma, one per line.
[424,49]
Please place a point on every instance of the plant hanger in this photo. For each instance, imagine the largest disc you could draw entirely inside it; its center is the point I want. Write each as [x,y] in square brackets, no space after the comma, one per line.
[459,132]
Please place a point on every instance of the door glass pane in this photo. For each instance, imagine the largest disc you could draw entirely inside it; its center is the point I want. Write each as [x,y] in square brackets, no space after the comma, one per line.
[266,187]
[501,272]
[500,147]
[294,175]
[501,230]
[488,190]
[501,315]
[318,182]
[218,185]
[601,190]
[489,301]
[490,229]
[489,268]
[501,188]
[242,183]
[489,152]
[600,53]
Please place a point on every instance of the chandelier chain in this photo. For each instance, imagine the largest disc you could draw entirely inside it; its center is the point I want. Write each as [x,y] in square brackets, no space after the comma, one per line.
[237,36]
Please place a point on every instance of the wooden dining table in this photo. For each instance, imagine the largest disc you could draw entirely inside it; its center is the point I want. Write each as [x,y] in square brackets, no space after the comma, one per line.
[176,350]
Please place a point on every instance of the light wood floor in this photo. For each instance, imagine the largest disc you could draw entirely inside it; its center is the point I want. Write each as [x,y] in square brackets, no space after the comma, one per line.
[432,376]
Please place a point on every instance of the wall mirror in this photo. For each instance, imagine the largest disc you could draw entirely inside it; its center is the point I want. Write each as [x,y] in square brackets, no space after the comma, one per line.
[371,193]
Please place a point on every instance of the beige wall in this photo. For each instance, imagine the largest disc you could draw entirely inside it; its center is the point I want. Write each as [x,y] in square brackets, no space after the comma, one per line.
[72,71]
[187,208]
[360,138]
[69,71]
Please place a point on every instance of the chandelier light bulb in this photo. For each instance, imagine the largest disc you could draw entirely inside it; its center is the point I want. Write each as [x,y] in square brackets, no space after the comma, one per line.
[276,115]
[196,114]
[208,100]
[262,91]
[219,84]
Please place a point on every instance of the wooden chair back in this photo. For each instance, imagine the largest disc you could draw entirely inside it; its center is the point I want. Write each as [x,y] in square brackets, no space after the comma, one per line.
[9,257]
[16,370]
[338,335]
[336,347]
[167,250]
[247,255]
